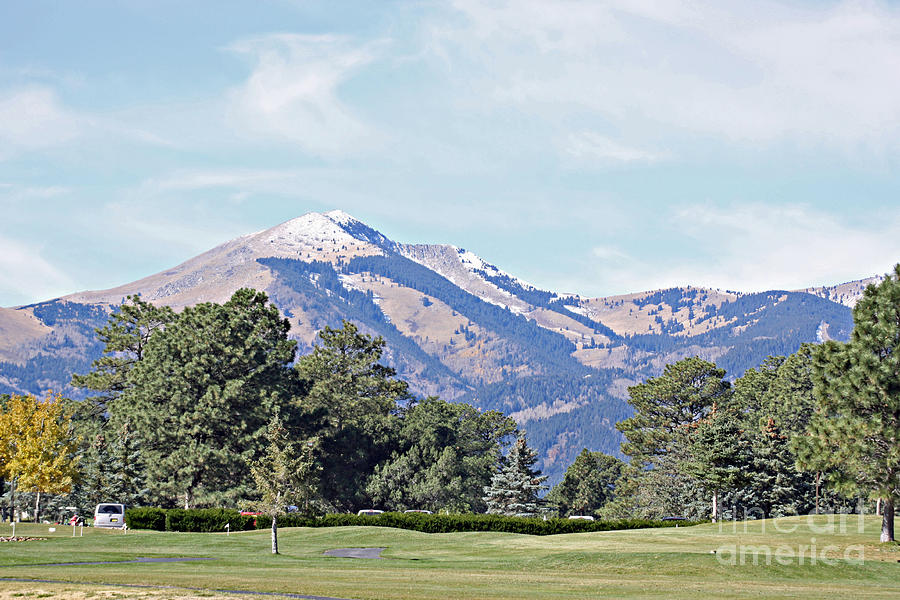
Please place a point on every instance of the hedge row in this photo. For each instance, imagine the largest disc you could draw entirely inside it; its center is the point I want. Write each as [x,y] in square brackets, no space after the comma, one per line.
[197,519]
[215,519]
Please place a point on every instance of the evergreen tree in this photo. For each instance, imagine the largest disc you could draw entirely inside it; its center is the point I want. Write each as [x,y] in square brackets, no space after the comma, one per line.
[588,484]
[775,486]
[664,406]
[445,456]
[667,410]
[125,338]
[857,386]
[111,470]
[354,402]
[515,487]
[719,454]
[199,399]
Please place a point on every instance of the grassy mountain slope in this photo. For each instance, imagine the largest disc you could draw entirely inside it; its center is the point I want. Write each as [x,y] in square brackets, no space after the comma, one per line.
[456,326]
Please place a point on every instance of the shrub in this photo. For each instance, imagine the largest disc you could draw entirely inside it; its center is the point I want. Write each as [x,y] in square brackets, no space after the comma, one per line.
[206,519]
[214,519]
[145,518]
[467,522]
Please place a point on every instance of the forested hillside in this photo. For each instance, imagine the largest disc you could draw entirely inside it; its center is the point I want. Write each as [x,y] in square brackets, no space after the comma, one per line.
[454,326]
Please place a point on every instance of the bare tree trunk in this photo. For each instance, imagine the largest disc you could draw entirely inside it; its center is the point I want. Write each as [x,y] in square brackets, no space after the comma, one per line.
[715,507]
[37,507]
[274,534]
[878,507]
[187,499]
[12,500]
[818,481]
[887,520]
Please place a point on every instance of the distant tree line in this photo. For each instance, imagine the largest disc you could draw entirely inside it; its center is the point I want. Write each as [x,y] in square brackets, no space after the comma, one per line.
[816,431]
[212,407]
[208,407]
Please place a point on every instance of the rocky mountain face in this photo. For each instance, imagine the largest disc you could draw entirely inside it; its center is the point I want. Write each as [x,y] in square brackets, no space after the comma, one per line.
[456,326]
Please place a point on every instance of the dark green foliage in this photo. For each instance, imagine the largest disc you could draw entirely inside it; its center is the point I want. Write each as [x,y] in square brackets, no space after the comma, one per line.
[857,385]
[446,454]
[201,396]
[353,400]
[515,487]
[720,454]
[207,520]
[111,468]
[588,485]
[124,339]
[666,405]
[194,520]
[146,518]
[775,487]
[214,520]
[496,523]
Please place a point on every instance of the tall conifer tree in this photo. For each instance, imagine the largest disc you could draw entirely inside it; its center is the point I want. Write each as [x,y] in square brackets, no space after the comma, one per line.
[515,487]
[856,429]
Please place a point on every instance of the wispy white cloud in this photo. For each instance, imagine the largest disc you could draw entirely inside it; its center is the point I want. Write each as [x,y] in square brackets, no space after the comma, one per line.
[231,178]
[33,118]
[744,73]
[26,274]
[591,148]
[293,92]
[757,247]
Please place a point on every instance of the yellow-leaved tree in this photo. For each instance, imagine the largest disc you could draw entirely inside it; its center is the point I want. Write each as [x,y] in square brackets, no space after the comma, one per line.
[38,449]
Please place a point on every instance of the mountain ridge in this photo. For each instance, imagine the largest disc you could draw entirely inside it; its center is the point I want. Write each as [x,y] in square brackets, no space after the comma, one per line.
[456,325]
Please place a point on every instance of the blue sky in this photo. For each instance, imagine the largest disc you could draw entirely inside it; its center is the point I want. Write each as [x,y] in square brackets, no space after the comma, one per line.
[591,147]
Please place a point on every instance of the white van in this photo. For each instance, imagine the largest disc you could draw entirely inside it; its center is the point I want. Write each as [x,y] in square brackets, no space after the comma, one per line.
[109,515]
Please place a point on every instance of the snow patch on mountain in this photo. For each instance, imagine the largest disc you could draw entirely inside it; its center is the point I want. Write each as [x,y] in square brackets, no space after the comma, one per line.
[460,267]
[309,227]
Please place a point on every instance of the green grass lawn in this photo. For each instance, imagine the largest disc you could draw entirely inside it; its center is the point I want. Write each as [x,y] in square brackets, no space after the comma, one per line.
[650,563]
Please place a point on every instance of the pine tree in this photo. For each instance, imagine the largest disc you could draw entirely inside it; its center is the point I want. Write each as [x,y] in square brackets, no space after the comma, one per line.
[683,395]
[776,487]
[515,487]
[111,469]
[588,484]
[445,456]
[857,387]
[125,338]
[719,455]
[199,399]
[354,401]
